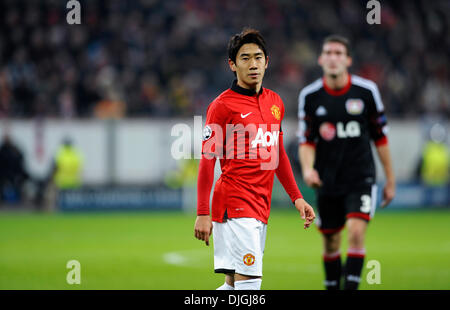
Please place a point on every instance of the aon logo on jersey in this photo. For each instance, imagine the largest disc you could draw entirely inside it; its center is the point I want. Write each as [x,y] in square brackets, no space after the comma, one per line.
[265,138]
[349,130]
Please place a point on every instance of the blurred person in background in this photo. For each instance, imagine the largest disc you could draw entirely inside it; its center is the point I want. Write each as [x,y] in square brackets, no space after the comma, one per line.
[184,175]
[66,170]
[67,166]
[339,115]
[433,167]
[12,172]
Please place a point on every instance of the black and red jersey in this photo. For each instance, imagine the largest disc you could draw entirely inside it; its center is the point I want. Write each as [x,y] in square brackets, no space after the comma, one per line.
[340,124]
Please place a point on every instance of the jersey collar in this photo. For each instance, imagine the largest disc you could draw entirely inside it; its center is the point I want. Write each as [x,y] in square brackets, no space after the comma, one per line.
[244,91]
[338,92]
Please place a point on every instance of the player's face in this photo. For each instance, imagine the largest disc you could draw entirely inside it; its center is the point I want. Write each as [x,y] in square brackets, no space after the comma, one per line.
[250,65]
[334,59]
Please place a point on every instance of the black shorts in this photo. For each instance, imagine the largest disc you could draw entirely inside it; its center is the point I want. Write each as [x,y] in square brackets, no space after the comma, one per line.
[334,210]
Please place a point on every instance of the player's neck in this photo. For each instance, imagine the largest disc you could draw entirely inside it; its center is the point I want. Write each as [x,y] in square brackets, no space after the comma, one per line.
[337,82]
[255,87]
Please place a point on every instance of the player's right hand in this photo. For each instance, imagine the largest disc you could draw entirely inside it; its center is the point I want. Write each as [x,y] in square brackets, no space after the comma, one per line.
[312,178]
[203,228]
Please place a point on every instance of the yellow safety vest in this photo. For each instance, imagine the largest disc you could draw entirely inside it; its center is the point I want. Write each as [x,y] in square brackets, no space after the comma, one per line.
[435,164]
[186,175]
[68,168]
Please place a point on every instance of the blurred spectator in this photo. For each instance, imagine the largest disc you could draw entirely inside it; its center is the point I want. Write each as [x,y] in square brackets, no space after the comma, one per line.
[12,172]
[67,167]
[434,165]
[65,175]
[109,108]
[166,58]
[185,175]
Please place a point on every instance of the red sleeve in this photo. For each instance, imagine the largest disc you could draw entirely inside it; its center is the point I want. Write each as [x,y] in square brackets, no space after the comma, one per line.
[285,174]
[204,184]
[215,129]
[381,141]
[311,144]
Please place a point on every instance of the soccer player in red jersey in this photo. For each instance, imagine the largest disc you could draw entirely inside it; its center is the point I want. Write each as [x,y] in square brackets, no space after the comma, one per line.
[243,130]
[339,115]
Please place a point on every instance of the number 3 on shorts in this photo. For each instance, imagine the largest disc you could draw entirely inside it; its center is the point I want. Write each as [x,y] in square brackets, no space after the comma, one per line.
[366,202]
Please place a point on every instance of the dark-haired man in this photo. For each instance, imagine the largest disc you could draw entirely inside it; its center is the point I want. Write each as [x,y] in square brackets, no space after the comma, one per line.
[339,115]
[243,130]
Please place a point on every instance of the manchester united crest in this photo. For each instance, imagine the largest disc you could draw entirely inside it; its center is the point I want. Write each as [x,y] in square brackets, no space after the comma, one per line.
[249,259]
[276,112]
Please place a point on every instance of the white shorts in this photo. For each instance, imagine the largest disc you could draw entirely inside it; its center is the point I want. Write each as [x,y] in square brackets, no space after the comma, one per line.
[239,246]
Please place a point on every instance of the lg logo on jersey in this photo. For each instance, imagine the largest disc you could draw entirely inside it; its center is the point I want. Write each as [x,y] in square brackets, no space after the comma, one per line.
[350,130]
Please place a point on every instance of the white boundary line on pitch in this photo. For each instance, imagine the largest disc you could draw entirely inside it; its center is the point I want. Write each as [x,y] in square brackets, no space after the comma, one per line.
[190,258]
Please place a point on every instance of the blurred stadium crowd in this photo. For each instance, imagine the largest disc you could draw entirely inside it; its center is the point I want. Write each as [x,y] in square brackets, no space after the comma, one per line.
[167,58]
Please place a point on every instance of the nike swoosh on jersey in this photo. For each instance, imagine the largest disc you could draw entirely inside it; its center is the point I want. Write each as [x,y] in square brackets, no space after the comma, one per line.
[244,116]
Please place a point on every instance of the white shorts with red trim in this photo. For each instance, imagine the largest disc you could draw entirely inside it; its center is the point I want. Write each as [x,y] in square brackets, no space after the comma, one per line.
[239,246]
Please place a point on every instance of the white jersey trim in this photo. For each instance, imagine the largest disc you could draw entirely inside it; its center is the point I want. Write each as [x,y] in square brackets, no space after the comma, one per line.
[315,86]
[373,194]
[370,85]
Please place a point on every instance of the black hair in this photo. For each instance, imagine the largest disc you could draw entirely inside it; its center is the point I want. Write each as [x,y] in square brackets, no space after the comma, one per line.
[247,35]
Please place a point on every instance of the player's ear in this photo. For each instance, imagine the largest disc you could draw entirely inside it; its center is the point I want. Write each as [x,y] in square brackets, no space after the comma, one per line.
[349,61]
[267,62]
[319,60]
[232,65]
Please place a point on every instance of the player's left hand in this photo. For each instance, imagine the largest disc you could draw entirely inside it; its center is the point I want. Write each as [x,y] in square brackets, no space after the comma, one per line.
[306,212]
[388,194]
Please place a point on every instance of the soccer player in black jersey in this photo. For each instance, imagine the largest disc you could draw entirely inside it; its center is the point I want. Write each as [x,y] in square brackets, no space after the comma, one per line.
[339,115]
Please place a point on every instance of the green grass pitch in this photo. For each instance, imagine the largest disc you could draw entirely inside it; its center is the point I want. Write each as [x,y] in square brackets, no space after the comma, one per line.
[156,250]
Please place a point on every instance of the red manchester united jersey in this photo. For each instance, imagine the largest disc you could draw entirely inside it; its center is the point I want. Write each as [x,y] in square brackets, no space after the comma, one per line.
[243,130]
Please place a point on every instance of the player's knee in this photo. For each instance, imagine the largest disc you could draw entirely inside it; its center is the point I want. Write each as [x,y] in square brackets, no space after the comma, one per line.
[356,238]
[331,247]
[332,243]
[229,279]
